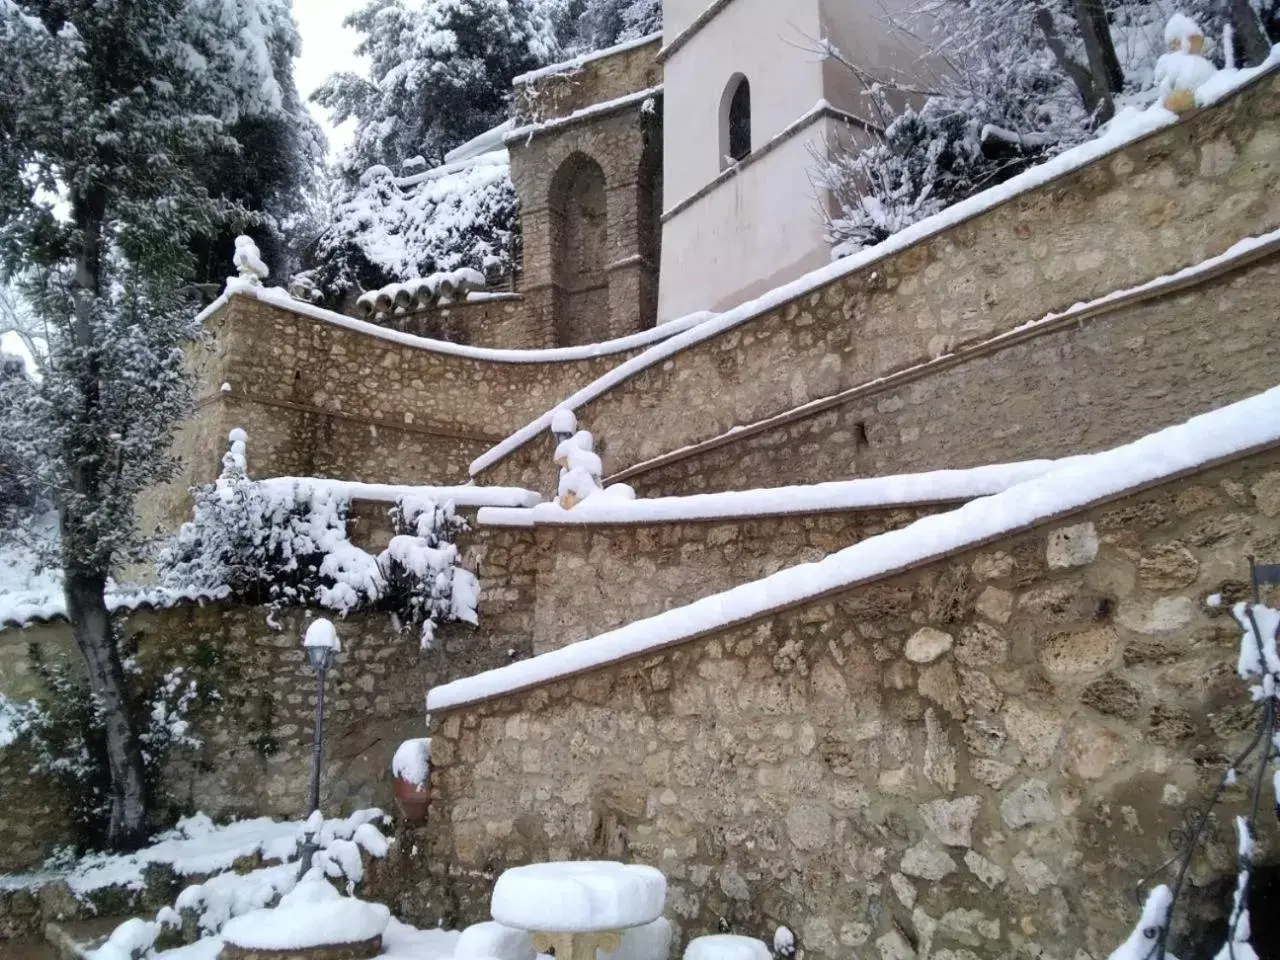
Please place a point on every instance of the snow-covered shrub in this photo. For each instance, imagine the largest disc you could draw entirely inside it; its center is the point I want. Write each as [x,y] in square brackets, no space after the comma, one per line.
[425,583]
[388,230]
[63,732]
[284,543]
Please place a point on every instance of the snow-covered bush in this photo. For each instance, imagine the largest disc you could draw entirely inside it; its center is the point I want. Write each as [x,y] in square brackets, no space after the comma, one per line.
[284,543]
[389,230]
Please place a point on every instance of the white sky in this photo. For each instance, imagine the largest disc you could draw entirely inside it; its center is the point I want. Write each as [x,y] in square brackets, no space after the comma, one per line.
[327,47]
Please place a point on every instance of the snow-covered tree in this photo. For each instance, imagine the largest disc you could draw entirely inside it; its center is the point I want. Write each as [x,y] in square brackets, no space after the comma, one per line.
[603,23]
[1017,81]
[112,110]
[441,74]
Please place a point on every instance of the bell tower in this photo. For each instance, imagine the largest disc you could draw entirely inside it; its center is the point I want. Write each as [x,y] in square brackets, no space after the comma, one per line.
[752,109]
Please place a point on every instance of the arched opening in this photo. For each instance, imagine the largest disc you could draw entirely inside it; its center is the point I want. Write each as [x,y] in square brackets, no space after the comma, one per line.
[579,250]
[735,122]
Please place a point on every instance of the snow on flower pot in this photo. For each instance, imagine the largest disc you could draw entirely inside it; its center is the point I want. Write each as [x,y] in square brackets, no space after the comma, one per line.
[411,767]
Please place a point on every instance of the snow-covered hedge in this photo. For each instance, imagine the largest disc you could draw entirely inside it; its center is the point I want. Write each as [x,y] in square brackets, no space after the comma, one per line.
[284,543]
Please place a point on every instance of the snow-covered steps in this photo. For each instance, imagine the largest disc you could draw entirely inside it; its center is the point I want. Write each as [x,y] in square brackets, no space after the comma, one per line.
[1123,213]
[576,571]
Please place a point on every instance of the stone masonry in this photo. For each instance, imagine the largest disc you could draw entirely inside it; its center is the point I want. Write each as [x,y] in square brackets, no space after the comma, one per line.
[978,757]
[1167,201]
[1073,388]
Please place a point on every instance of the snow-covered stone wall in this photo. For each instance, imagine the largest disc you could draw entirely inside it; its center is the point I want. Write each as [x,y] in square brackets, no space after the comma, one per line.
[257,731]
[982,755]
[1070,386]
[563,89]
[1173,199]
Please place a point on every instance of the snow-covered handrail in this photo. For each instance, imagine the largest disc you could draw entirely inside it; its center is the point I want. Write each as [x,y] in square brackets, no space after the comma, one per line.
[1232,431]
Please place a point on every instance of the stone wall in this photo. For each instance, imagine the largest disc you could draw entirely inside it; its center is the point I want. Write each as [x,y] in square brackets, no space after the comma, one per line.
[258,730]
[979,757]
[580,581]
[1074,387]
[501,322]
[1169,200]
[595,81]
[318,399]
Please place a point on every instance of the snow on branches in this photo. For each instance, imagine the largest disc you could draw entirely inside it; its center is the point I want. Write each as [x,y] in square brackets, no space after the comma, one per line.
[284,543]
[390,229]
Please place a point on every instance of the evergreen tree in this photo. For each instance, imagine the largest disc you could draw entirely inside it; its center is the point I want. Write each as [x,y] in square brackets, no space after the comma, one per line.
[111,112]
[441,73]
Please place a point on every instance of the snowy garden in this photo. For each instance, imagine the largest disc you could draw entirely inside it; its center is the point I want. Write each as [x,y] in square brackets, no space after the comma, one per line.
[143,150]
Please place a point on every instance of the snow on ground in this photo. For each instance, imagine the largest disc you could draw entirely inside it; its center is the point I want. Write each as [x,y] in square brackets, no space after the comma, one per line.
[938,486]
[1128,125]
[1082,480]
[196,846]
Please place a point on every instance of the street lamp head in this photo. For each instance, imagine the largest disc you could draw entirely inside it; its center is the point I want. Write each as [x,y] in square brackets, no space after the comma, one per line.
[563,425]
[321,644]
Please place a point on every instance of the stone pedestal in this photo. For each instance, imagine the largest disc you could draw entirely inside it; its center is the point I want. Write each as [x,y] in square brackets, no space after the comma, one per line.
[577,946]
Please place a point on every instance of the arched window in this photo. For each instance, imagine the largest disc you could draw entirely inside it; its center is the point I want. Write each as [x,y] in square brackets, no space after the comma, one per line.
[735,122]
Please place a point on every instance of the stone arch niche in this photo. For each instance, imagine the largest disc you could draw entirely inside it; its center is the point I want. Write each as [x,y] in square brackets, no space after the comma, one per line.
[578,205]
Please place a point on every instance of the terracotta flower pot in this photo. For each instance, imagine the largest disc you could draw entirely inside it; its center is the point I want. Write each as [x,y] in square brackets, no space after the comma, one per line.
[411,799]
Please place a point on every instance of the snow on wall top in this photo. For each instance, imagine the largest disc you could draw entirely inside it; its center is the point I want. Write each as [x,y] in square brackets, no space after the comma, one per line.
[1230,431]
[1128,125]
[280,298]
[488,141]
[937,486]
[577,63]
[464,497]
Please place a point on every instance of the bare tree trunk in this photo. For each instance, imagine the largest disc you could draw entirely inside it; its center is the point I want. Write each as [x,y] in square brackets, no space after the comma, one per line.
[87,609]
[1100,51]
[85,573]
[1080,75]
[1252,38]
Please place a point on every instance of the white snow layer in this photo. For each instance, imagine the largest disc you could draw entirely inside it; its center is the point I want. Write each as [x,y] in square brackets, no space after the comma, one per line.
[938,486]
[412,761]
[313,914]
[464,497]
[575,64]
[727,946]
[497,941]
[579,896]
[279,298]
[1234,429]
[1124,128]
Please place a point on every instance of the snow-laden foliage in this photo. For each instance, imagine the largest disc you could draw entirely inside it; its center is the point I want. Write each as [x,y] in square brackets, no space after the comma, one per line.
[603,23]
[284,543]
[440,73]
[389,230]
[62,732]
[1016,82]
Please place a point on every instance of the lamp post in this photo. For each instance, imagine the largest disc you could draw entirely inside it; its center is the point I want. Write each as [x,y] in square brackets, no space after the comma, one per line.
[322,646]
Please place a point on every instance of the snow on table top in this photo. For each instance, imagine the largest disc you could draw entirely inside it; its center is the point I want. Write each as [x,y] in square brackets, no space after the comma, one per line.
[1083,480]
[938,486]
[280,298]
[313,914]
[1124,129]
[579,896]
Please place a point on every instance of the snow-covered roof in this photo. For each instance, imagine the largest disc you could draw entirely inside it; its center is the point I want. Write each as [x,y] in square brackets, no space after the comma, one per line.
[1231,431]
[577,63]
[487,142]
[1125,128]
[938,486]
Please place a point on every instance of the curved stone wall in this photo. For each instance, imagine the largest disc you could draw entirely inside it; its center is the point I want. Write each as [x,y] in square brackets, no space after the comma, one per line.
[1173,199]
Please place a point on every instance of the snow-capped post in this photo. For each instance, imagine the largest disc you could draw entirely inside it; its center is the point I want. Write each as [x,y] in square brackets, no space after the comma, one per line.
[322,647]
[248,261]
[411,767]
